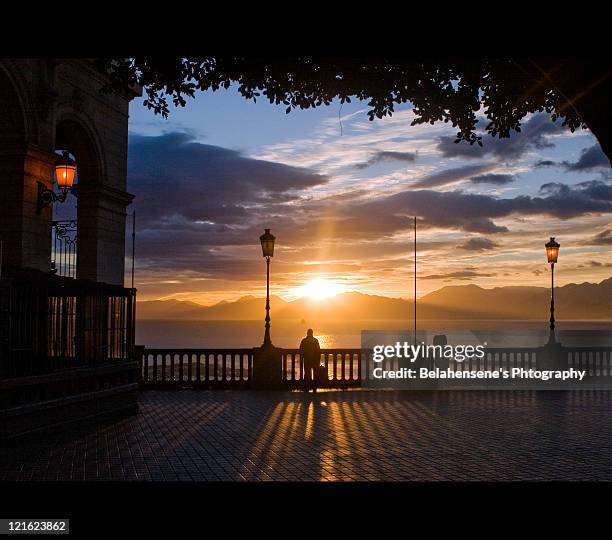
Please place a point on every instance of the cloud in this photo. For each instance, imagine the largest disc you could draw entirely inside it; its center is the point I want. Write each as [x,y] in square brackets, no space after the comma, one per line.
[175,178]
[495,179]
[450,176]
[461,274]
[544,163]
[469,212]
[598,264]
[201,209]
[386,155]
[478,244]
[534,135]
[590,158]
[193,199]
[594,190]
[603,238]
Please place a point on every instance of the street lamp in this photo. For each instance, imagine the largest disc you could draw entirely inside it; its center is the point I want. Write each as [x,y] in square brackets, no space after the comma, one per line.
[267,248]
[65,169]
[552,253]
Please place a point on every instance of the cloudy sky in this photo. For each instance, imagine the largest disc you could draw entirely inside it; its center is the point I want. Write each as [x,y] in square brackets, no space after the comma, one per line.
[340,192]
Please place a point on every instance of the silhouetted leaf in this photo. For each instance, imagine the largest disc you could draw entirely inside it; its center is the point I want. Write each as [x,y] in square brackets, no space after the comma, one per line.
[452,90]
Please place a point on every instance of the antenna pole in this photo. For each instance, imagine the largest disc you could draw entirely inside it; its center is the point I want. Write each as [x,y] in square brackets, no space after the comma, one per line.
[133,243]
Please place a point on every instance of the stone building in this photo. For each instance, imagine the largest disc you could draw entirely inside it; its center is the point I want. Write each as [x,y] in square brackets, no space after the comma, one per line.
[66,343]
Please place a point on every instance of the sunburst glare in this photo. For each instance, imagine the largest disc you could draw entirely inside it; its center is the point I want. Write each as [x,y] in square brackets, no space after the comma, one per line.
[318,289]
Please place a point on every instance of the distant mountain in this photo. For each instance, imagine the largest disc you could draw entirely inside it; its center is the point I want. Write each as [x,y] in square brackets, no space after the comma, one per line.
[245,308]
[573,301]
[168,309]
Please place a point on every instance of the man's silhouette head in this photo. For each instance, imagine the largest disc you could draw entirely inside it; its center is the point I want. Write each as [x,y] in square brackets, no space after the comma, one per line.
[309,332]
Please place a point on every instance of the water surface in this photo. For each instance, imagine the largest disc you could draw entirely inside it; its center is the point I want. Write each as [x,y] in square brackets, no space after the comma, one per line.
[288,333]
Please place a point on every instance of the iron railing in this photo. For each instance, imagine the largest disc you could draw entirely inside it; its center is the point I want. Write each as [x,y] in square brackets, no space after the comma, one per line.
[345,367]
[64,248]
[50,323]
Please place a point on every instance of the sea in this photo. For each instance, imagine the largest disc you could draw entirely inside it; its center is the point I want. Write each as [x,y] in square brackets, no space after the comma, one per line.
[153,333]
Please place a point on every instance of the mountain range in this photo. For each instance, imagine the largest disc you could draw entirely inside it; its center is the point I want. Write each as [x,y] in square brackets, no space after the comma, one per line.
[573,301]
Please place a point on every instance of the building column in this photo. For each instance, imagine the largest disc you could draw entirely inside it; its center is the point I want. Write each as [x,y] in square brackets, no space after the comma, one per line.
[101,216]
[25,235]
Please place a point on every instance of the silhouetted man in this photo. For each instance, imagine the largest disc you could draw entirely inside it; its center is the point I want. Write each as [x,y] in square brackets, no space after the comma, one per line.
[310,351]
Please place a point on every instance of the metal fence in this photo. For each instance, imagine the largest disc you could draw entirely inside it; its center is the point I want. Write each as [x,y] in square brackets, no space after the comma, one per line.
[49,323]
[64,248]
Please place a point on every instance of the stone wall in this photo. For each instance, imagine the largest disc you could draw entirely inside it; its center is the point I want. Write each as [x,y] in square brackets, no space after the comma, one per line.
[52,104]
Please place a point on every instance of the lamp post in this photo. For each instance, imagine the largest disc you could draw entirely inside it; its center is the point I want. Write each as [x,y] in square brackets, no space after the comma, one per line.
[65,169]
[552,253]
[267,248]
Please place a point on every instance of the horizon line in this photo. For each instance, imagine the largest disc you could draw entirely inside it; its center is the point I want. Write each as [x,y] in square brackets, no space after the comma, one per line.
[405,299]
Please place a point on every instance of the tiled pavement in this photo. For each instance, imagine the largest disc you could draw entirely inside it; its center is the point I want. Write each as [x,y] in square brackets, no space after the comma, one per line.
[350,435]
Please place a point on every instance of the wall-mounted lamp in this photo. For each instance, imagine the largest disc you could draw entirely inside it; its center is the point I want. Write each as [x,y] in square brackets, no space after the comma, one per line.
[65,169]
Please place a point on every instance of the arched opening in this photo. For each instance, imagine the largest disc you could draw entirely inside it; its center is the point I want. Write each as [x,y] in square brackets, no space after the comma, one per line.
[101,205]
[72,136]
[64,230]
[71,227]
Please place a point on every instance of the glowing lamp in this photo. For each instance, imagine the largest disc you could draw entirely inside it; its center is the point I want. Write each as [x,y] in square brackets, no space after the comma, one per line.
[552,250]
[267,243]
[65,169]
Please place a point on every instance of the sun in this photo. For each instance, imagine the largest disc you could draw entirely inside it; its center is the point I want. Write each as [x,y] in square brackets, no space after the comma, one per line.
[318,289]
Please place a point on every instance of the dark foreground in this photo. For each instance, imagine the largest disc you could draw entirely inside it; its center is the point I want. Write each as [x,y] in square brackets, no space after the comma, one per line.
[351,435]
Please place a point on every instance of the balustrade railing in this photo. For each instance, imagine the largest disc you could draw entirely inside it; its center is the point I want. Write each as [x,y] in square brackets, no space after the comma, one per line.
[597,361]
[200,368]
[345,367]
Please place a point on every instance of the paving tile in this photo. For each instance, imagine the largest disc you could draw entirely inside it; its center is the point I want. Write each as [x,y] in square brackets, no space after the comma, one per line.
[334,436]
